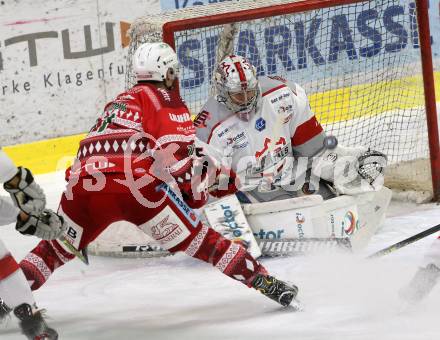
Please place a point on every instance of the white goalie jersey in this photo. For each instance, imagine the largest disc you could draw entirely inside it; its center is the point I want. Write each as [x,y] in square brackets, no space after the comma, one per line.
[270,154]
[262,151]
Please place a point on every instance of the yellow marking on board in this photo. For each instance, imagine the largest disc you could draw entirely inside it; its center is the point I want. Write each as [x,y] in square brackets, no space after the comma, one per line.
[368,100]
[358,101]
[47,155]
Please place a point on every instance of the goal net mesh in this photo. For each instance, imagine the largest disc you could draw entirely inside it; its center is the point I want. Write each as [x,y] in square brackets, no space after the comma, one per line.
[359,64]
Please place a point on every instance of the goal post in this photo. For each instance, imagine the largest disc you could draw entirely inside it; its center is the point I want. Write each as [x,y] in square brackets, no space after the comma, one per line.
[366,66]
[429,89]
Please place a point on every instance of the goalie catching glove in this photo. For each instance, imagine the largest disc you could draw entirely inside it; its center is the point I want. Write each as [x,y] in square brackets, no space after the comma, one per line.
[26,193]
[47,225]
[352,170]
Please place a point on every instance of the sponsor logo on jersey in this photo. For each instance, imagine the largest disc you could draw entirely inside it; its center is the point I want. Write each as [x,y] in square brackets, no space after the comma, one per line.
[165,94]
[200,120]
[180,118]
[287,119]
[350,224]
[181,205]
[163,229]
[300,219]
[187,130]
[240,146]
[285,108]
[260,124]
[167,228]
[236,139]
[92,166]
[74,232]
[222,133]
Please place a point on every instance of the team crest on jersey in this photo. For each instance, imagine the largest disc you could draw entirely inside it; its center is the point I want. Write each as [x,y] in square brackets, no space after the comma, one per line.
[260,124]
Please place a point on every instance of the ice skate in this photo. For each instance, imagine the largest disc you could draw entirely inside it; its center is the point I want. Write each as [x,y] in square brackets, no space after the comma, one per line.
[33,325]
[4,310]
[275,289]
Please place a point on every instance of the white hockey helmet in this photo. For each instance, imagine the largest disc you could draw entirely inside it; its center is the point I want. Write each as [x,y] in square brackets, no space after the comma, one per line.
[152,61]
[237,85]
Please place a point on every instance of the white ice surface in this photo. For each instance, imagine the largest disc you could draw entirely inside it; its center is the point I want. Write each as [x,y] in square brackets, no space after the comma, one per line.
[344,296]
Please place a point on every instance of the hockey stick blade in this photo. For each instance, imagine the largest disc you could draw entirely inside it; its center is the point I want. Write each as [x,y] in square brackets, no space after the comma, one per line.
[82,255]
[292,247]
[405,242]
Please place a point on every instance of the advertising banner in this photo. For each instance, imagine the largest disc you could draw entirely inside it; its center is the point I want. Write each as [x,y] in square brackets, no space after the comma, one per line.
[60,61]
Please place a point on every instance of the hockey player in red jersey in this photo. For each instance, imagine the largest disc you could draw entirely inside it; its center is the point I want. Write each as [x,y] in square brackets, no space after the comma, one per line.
[31,219]
[136,165]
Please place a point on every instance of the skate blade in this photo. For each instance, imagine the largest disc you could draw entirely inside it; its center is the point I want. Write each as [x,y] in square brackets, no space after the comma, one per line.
[294,306]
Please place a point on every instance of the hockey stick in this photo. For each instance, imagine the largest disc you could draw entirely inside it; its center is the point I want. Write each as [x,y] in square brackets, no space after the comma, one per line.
[82,255]
[405,242]
[293,246]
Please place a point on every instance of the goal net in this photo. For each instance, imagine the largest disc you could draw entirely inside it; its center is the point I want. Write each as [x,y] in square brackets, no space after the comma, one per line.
[359,62]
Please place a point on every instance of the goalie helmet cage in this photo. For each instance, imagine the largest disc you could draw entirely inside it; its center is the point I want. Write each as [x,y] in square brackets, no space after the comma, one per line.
[365,65]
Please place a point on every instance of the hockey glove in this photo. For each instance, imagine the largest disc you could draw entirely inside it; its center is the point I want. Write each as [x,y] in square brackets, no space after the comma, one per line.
[47,225]
[212,177]
[372,166]
[26,194]
[352,170]
[226,183]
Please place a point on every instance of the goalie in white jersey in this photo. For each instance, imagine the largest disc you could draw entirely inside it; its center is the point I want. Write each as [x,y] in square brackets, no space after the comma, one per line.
[265,131]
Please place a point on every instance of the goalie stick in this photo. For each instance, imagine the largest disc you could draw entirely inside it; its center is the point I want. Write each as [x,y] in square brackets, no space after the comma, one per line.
[405,242]
[293,246]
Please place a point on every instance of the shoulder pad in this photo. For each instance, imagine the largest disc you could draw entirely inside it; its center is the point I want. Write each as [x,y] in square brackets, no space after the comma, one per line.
[268,83]
[211,114]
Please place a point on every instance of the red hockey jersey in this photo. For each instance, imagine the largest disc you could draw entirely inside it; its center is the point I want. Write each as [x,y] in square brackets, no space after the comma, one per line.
[144,130]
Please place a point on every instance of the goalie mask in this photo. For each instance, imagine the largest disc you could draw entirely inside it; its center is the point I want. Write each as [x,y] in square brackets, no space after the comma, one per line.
[237,86]
[154,61]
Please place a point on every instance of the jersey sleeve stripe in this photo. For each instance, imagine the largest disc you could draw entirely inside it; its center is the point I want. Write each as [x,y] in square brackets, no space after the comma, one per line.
[274,89]
[306,131]
[310,148]
[8,266]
